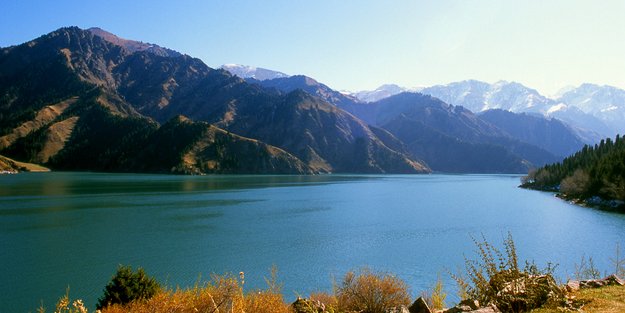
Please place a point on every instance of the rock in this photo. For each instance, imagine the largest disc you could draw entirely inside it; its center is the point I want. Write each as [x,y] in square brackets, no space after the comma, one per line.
[419,306]
[597,283]
[309,306]
[572,285]
[614,280]
[489,309]
[591,283]
[523,292]
[401,309]
[472,306]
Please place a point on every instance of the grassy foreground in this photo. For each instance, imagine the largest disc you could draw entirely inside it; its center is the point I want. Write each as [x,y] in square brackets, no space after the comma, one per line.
[226,296]
[610,299]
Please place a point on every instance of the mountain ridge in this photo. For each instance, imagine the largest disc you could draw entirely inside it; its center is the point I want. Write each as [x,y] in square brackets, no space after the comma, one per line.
[141,89]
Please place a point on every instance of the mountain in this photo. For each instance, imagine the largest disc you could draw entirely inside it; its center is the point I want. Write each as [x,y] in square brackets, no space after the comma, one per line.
[548,133]
[76,100]
[589,125]
[132,45]
[309,85]
[451,138]
[258,73]
[481,135]
[604,102]
[479,96]
[381,92]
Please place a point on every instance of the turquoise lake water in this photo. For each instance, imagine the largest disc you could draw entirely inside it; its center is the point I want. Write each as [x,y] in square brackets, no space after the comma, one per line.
[73,229]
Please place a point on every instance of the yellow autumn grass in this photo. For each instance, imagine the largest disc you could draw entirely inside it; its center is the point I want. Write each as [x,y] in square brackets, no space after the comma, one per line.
[223,293]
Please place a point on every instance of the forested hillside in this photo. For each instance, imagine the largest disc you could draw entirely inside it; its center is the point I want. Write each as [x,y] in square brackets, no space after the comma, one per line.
[594,175]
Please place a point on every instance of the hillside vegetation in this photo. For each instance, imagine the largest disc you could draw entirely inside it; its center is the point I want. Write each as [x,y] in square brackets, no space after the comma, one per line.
[594,175]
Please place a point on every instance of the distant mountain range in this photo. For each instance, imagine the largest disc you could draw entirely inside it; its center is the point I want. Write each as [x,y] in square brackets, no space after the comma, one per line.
[594,112]
[88,100]
[451,139]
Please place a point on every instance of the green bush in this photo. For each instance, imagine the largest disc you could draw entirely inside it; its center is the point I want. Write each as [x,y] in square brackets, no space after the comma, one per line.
[126,286]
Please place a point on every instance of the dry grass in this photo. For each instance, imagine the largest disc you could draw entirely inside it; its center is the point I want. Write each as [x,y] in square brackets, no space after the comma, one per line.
[369,292]
[223,293]
[7,164]
[609,299]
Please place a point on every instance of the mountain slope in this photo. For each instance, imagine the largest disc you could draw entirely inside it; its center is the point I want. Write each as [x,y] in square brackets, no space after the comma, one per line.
[10,166]
[451,137]
[604,102]
[549,134]
[311,86]
[132,45]
[324,136]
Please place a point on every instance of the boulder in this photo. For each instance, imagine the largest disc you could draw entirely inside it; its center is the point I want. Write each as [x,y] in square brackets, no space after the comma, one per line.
[419,306]
[308,306]
[572,285]
[525,292]
[614,280]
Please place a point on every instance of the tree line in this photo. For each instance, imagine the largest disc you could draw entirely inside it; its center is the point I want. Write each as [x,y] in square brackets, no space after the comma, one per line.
[597,170]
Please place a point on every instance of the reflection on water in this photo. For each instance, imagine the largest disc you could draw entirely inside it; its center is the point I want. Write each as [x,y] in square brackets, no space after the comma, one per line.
[60,229]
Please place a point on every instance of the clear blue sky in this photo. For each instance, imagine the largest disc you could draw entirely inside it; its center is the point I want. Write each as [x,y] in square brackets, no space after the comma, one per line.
[357,45]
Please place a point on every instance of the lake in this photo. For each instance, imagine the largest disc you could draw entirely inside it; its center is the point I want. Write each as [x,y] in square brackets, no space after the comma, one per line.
[73,229]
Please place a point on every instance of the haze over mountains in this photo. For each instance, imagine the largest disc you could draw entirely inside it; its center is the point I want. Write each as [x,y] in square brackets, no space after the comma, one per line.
[88,100]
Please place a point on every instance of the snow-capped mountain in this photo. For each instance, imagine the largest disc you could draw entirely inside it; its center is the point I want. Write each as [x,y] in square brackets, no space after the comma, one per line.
[593,111]
[382,92]
[258,73]
[604,102]
[479,96]
[587,127]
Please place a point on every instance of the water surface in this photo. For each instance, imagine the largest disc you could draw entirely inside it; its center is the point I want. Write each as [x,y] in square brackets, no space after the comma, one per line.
[73,229]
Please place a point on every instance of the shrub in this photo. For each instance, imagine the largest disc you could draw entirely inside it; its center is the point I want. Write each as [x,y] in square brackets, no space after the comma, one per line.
[438,295]
[126,286]
[586,269]
[369,292]
[497,278]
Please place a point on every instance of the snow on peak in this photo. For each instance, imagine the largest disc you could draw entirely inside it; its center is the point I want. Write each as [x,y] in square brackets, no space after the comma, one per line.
[382,92]
[246,71]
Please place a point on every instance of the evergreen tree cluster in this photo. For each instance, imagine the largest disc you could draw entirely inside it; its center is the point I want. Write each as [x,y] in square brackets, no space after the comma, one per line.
[597,170]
